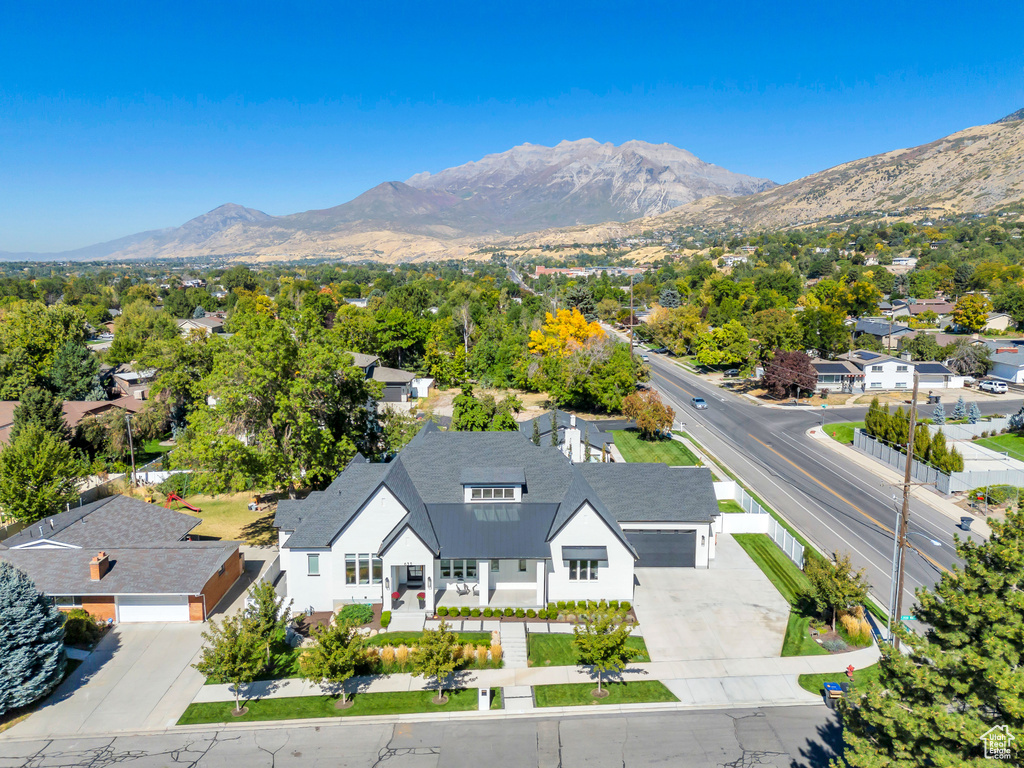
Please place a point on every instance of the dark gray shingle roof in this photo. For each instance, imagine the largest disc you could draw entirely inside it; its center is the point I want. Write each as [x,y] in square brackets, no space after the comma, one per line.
[654,492]
[498,475]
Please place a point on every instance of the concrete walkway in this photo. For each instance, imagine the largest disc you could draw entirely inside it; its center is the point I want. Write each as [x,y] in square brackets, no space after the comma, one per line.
[513,645]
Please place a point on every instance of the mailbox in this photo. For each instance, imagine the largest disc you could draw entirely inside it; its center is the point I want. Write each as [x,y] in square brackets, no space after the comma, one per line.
[485,699]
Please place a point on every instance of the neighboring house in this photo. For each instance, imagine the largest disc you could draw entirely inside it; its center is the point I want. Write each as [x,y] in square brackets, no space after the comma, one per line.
[397,383]
[915,308]
[209,325]
[511,520]
[998,321]
[572,431]
[366,362]
[887,332]
[357,302]
[124,560]
[838,376]
[421,386]
[904,261]
[135,384]
[74,411]
[1007,357]
[884,372]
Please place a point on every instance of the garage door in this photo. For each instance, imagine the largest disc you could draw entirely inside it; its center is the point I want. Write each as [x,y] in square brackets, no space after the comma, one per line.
[152,608]
[664,549]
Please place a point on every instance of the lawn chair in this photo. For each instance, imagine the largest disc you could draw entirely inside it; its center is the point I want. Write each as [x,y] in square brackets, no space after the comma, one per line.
[461,587]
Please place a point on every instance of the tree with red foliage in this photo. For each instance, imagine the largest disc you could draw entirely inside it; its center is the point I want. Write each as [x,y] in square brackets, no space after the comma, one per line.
[789,372]
[650,414]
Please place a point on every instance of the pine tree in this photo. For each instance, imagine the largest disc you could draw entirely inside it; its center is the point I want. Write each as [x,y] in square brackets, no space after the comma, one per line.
[960,409]
[932,704]
[39,406]
[31,641]
[75,372]
[554,428]
[973,414]
[586,443]
[536,433]
[922,442]
[939,414]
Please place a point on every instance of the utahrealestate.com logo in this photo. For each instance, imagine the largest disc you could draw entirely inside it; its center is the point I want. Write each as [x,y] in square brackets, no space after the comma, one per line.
[997,742]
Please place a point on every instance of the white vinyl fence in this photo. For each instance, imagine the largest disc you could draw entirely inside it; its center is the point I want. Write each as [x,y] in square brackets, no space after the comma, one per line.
[755,519]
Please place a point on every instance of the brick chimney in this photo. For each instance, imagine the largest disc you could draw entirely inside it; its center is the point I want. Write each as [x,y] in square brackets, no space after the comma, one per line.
[99,566]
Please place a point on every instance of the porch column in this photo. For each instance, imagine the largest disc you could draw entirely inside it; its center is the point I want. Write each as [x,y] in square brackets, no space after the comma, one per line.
[483,572]
[542,582]
[428,586]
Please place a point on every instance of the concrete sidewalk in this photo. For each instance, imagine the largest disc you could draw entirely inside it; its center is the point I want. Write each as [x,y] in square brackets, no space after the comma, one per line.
[895,477]
[761,680]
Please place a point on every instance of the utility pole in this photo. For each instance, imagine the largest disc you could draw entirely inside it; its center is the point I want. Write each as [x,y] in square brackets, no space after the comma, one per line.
[901,535]
[131,448]
[632,320]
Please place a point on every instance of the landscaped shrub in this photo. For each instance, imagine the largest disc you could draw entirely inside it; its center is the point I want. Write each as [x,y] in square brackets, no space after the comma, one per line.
[474,612]
[542,615]
[570,606]
[625,605]
[387,654]
[487,613]
[520,613]
[385,619]
[561,605]
[481,655]
[603,604]
[464,611]
[834,646]
[531,614]
[614,605]
[591,605]
[402,654]
[469,652]
[856,630]
[496,653]
[509,612]
[442,611]
[552,608]
[357,613]
[80,628]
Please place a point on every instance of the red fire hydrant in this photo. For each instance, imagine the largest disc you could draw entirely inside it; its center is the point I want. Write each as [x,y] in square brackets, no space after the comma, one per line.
[849,671]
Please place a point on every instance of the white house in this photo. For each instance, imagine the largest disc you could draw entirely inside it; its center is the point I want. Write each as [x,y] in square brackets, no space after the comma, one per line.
[493,515]
[574,434]
[883,372]
[1007,357]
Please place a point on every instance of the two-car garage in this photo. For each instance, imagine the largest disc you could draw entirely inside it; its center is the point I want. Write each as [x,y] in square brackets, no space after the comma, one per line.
[664,548]
[136,608]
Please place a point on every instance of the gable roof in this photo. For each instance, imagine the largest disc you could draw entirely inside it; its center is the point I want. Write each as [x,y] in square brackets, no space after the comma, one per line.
[563,421]
[392,375]
[880,329]
[1007,352]
[669,494]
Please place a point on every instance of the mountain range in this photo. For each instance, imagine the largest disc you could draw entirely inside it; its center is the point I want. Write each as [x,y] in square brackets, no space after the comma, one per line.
[570,193]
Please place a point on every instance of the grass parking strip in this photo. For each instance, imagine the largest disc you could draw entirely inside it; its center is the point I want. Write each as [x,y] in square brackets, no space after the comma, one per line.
[556,650]
[579,694]
[862,678]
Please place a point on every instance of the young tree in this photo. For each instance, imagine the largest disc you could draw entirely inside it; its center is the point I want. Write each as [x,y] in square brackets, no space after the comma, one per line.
[837,587]
[38,406]
[31,641]
[962,676]
[398,429]
[973,413]
[960,409]
[586,443]
[600,642]
[336,653]
[554,427]
[939,414]
[435,657]
[234,652]
[268,614]
[39,475]
[536,433]
[75,373]
[922,442]
[650,414]
[790,372]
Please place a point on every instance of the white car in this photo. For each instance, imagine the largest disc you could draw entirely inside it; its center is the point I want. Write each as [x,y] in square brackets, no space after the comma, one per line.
[995,387]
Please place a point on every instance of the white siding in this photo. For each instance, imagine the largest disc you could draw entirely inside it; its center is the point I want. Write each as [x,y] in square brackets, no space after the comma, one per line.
[1014,373]
[587,529]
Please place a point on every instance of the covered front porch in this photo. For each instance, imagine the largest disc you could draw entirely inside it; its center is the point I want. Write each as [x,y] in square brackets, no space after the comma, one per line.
[497,598]
[502,583]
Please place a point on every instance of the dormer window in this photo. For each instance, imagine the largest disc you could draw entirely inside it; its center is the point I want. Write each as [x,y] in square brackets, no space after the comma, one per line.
[493,484]
[492,494]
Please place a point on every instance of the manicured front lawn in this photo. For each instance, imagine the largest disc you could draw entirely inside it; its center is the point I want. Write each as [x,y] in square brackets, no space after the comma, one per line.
[798,640]
[299,707]
[555,650]
[577,694]
[862,678]
[1009,443]
[666,451]
[730,506]
[843,433]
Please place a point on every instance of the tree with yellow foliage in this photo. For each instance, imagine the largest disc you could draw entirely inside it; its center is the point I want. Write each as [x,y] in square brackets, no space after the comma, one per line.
[564,332]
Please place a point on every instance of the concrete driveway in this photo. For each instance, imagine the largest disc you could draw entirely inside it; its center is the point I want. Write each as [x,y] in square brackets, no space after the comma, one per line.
[137,678]
[728,611]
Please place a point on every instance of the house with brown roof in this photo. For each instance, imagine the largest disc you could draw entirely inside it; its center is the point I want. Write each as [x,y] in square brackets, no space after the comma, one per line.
[74,411]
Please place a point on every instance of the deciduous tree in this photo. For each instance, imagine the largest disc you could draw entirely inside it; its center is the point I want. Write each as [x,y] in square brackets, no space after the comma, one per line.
[789,372]
[971,312]
[336,652]
[234,652]
[435,657]
[650,414]
[600,642]
[39,475]
[837,587]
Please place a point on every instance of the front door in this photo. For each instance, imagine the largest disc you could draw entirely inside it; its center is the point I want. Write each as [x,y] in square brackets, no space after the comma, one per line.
[414,576]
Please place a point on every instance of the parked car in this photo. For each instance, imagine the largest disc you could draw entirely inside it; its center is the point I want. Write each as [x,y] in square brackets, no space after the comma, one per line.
[661,350]
[733,373]
[995,387]
[645,358]
[699,403]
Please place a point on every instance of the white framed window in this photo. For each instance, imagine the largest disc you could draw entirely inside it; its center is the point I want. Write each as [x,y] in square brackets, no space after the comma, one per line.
[312,565]
[522,566]
[876,385]
[461,569]
[495,566]
[350,569]
[67,601]
[901,385]
[582,570]
[902,369]
[876,369]
[492,494]
[363,568]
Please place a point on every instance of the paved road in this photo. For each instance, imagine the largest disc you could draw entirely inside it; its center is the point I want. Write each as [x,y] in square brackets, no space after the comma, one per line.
[833,503]
[780,737]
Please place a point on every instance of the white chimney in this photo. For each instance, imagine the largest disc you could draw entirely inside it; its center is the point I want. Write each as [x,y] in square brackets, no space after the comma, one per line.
[572,419]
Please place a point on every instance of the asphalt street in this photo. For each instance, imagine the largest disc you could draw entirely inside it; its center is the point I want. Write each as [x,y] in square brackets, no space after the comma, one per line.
[783,737]
[834,504]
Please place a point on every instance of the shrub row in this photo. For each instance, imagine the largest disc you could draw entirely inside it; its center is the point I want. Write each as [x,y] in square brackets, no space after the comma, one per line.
[553,611]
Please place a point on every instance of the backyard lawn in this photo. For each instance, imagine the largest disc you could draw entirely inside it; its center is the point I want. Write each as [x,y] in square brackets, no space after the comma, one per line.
[228,517]
[298,707]
[843,433]
[576,694]
[792,584]
[1011,444]
[665,451]
[728,505]
[555,650]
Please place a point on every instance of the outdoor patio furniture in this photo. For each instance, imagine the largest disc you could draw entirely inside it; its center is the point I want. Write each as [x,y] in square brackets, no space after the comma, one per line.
[462,588]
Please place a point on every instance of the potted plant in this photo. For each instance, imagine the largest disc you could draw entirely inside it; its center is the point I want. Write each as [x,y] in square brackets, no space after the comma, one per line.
[422,597]
[395,596]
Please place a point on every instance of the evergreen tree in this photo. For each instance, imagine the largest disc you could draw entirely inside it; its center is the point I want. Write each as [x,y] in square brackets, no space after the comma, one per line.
[536,433]
[960,409]
[939,414]
[554,428]
[581,298]
[922,442]
[973,414]
[669,298]
[31,641]
[1017,421]
[75,372]
[38,475]
[40,407]
[933,702]
[586,444]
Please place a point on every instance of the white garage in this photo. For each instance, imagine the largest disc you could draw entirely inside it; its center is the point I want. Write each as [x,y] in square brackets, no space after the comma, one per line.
[135,608]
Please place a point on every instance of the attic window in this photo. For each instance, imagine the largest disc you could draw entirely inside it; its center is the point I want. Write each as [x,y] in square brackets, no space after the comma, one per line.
[492,494]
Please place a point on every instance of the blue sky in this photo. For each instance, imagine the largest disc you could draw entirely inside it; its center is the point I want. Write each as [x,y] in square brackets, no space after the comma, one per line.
[117,118]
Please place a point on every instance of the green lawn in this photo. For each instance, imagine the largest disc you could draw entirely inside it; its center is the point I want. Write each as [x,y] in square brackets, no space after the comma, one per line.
[862,678]
[554,650]
[666,451]
[843,433]
[728,505]
[576,694]
[227,516]
[798,640]
[299,707]
[1009,443]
